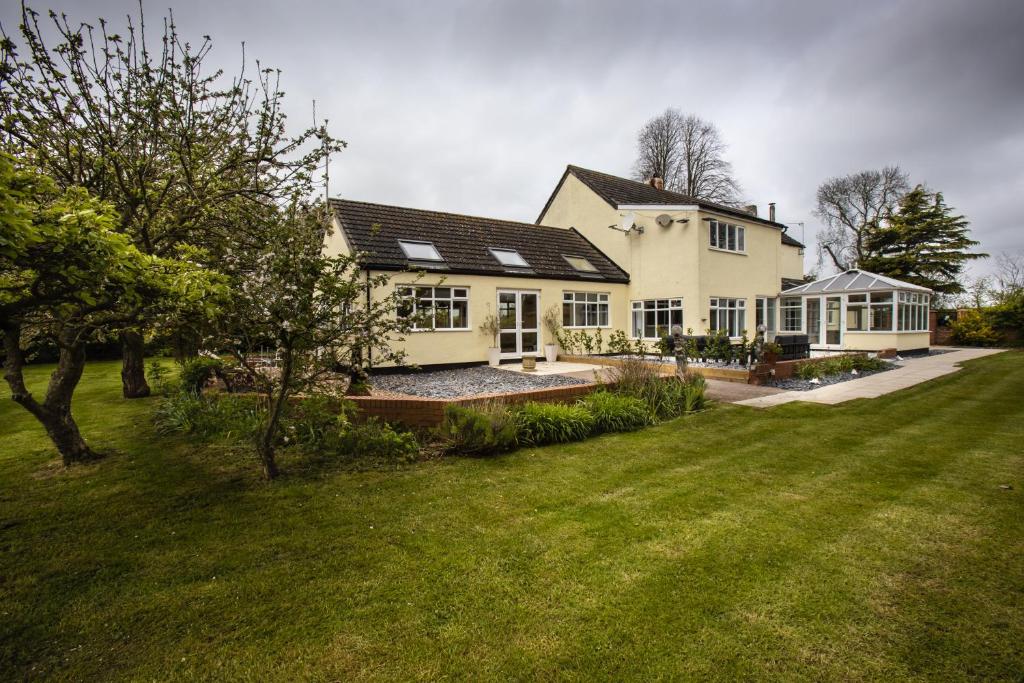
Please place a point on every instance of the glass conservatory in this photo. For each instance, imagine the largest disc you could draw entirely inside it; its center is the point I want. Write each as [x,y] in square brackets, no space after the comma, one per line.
[857,311]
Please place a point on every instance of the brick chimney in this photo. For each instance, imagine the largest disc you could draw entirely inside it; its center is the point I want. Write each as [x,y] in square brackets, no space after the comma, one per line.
[657,183]
[771,211]
[751,209]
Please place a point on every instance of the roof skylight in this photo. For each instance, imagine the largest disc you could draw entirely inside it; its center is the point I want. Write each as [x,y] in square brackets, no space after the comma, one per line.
[580,264]
[419,251]
[509,257]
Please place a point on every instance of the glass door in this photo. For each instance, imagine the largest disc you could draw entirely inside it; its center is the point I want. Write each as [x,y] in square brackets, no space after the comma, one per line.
[518,312]
[833,321]
[813,307]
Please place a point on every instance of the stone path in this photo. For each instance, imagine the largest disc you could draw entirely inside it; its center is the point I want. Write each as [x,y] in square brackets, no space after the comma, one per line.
[914,371]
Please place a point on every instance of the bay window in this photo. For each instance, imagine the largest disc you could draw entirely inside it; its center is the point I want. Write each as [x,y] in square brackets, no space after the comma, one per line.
[654,318]
[729,315]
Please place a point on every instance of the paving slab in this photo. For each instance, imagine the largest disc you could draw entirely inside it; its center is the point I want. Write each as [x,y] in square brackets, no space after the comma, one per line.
[914,371]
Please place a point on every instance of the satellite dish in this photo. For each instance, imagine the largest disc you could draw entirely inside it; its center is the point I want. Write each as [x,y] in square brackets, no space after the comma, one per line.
[664,220]
[628,221]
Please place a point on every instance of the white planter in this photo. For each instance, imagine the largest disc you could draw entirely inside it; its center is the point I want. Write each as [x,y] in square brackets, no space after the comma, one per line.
[494,356]
[551,352]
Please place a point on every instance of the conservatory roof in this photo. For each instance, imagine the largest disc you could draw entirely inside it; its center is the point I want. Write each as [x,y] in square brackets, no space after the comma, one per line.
[855,281]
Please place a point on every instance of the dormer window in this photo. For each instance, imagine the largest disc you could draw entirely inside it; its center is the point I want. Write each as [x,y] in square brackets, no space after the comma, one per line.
[580,264]
[510,258]
[419,251]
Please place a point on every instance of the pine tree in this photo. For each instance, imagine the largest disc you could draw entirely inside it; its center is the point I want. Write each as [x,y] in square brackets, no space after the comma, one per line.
[923,242]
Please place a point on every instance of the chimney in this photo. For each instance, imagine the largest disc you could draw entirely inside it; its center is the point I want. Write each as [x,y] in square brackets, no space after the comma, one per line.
[751,209]
[657,183]
[771,211]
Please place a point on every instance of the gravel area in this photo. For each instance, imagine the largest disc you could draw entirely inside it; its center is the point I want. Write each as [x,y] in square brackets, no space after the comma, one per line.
[467,382]
[794,384]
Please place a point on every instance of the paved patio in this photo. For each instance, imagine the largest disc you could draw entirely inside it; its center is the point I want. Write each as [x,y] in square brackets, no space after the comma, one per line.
[914,371]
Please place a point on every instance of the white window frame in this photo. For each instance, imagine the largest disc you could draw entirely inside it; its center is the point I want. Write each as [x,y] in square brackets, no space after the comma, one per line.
[783,308]
[732,236]
[912,312]
[599,300]
[644,306]
[762,304]
[498,254]
[733,307]
[411,293]
[420,243]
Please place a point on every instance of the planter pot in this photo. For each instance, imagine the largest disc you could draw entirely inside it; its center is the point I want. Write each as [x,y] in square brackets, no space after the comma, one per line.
[494,356]
[551,352]
[529,363]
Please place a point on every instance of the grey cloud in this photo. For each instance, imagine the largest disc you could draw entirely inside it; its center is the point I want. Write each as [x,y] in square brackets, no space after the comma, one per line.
[477,106]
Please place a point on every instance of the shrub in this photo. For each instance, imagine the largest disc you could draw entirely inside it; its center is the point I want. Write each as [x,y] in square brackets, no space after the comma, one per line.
[317,420]
[971,328]
[209,416]
[618,343]
[160,378]
[375,439]
[666,397]
[616,412]
[196,372]
[541,423]
[487,428]
[694,386]
[836,365]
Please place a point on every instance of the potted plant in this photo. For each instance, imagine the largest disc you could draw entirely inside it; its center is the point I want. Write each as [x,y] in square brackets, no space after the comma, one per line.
[492,327]
[770,353]
[553,324]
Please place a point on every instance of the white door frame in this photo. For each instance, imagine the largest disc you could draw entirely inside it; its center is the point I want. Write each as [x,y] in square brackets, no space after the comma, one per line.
[519,330]
[823,322]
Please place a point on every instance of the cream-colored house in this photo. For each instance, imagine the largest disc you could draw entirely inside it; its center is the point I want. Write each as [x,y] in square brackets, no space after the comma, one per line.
[606,253]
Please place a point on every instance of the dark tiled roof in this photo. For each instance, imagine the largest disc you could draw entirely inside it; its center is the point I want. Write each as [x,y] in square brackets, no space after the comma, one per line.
[617,191]
[464,241]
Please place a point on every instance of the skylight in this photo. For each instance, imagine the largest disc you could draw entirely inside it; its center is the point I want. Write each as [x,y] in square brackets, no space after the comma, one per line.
[419,251]
[509,257]
[581,264]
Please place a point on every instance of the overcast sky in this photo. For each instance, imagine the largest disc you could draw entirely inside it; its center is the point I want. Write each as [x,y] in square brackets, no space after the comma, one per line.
[477,107]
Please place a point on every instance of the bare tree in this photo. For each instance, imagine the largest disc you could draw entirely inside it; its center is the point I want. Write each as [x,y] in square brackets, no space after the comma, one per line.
[1009,277]
[687,152]
[851,207]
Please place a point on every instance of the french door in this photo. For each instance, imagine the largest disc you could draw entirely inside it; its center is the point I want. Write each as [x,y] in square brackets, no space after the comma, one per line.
[520,331]
[825,321]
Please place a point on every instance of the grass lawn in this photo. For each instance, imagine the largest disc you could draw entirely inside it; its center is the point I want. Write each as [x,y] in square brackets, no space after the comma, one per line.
[865,541]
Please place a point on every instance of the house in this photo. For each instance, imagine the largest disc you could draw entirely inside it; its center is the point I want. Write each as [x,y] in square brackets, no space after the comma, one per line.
[606,253]
[459,269]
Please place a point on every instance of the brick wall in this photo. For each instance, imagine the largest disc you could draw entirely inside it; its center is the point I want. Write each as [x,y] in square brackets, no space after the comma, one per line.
[428,412]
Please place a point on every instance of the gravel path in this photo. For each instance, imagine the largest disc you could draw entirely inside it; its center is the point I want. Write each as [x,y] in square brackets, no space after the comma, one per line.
[467,382]
[795,384]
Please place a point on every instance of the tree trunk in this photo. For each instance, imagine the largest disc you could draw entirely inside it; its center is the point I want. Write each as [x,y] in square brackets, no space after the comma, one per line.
[278,400]
[54,413]
[133,368]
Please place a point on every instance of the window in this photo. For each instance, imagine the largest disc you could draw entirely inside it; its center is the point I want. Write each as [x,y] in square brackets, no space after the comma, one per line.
[857,313]
[654,318]
[729,315]
[509,257]
[580,264]
[728,236]
[766,314]
[584,309]
[437,308]
[913,312]
[792,308]
[419,251]
[881,312]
